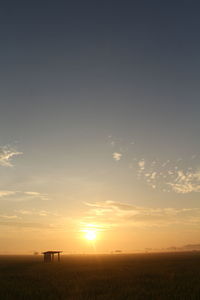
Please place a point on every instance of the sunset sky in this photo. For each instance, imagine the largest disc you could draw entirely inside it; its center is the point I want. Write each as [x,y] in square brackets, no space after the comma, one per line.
[99,125]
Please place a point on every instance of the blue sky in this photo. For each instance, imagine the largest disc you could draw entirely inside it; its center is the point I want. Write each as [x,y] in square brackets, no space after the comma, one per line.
[99,106]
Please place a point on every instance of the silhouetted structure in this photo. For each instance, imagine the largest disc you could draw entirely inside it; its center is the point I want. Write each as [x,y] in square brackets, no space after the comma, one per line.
[49,255]
[118,251]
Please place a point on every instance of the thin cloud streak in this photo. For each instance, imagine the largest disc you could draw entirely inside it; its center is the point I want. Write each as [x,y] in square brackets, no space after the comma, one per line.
[20,196]
[6,193]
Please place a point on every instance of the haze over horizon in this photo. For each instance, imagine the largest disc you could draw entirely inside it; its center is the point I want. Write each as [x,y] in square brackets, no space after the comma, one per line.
[99,125]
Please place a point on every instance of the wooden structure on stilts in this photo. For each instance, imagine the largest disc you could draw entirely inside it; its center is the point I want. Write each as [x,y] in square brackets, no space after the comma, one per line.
[49,256]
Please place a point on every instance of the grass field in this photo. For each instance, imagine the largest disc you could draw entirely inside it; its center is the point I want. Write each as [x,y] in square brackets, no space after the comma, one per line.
[141,276]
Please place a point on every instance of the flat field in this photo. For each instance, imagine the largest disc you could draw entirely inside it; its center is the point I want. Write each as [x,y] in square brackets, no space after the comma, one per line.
[139,276]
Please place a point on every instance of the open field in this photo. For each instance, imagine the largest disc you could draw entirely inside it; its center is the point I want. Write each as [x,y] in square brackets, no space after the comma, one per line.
[140,276]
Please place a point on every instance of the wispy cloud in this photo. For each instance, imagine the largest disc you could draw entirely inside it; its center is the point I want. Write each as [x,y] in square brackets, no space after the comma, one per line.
[30,219]
[19,196]
[6,155]
[169,176]
[35,212]
[141,164]
[22,224]
[9,217]
[41,196]
[116,214]
[180,175]
[6,193]
[186,182]
[117,156]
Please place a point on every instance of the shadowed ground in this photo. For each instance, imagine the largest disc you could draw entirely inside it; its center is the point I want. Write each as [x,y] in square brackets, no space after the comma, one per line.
[144,276]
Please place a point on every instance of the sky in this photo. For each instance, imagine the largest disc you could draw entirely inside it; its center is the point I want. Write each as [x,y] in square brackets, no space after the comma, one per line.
[99,125]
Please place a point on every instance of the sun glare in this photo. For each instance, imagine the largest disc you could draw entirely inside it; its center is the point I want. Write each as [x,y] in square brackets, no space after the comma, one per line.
[90,235]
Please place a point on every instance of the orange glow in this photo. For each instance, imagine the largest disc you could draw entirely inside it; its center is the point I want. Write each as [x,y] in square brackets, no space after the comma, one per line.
[90,235]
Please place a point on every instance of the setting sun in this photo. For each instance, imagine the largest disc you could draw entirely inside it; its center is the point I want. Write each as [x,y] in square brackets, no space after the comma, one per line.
[90,235]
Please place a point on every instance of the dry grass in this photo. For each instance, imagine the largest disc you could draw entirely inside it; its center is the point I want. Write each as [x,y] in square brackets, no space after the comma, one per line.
[152,276]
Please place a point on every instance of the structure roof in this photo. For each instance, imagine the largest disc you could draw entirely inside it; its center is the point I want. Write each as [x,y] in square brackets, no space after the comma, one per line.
[51,252]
